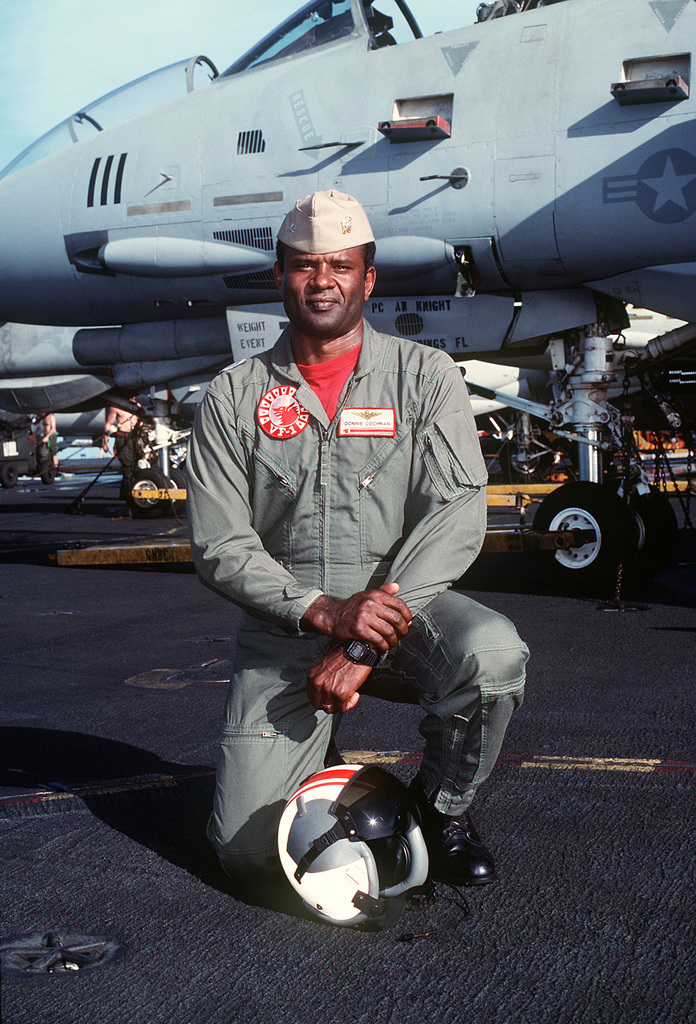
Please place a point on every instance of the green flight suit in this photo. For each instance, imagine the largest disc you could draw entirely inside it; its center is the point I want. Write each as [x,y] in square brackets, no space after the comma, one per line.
[278,519]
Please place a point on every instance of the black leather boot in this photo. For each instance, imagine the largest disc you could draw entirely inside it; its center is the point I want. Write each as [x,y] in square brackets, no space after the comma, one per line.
[457,854]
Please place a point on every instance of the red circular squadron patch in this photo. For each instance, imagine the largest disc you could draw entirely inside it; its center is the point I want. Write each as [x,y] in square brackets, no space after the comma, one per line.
[280,414]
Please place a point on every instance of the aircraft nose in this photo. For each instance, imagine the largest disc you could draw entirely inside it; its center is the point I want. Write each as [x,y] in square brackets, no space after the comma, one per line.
[37,282]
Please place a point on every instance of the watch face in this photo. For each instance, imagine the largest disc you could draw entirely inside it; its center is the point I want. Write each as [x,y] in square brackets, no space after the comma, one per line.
[360,653]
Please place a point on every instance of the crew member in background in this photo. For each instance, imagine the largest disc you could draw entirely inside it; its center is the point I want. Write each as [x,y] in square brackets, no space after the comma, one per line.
[45,434]
[121,425]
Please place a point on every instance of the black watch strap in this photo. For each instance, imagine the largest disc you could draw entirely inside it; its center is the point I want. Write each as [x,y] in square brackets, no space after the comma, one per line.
[359,652]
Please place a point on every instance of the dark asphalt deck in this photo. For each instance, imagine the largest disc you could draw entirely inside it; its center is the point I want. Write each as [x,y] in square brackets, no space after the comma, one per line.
[113,682]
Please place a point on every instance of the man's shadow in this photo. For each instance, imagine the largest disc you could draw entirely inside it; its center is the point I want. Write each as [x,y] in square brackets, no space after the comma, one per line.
[162,805]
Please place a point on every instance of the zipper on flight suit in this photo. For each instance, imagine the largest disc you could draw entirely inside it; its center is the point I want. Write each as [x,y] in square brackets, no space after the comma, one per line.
[340,409]
[370,477]
[324,480]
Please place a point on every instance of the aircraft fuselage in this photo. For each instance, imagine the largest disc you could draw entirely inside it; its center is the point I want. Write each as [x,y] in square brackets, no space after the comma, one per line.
[545,180]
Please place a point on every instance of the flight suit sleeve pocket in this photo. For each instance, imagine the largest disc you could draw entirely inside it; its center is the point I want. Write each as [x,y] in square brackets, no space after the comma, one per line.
[452,455]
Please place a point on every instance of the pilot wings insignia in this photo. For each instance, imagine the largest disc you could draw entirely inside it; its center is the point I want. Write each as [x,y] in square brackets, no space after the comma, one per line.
[366,414]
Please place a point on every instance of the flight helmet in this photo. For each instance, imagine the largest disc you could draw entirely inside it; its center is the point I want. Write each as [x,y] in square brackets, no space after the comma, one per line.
[351,846]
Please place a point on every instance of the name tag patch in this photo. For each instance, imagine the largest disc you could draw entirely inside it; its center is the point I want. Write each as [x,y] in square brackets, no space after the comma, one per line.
[367,423]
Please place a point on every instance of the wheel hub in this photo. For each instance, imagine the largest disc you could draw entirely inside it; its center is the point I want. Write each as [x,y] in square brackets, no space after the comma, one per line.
[577,519]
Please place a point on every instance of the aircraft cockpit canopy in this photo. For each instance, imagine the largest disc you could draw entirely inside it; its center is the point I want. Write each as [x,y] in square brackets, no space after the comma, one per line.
[324,21]
[318,23]
[129,100]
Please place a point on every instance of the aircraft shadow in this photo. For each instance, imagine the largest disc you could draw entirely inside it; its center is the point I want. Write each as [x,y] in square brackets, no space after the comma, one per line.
[161,805]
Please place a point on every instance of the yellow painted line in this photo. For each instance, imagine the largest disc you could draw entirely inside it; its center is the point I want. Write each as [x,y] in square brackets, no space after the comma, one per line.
[592,764]
[560,763]
[378,757]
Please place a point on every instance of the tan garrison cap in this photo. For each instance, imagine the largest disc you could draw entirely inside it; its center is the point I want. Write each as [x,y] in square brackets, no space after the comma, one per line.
[326,222]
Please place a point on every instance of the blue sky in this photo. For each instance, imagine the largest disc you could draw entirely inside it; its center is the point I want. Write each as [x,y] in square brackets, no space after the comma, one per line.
[59,55]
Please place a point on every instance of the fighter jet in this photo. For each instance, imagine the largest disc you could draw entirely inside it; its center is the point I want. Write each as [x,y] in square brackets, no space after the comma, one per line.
[525,177]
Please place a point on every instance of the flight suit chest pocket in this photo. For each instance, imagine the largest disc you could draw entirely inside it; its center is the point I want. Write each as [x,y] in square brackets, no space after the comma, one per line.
[273,494]
[383,485]
[452,455]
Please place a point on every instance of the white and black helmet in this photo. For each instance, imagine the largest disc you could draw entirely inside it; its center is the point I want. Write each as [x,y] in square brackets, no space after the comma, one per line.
[351,846]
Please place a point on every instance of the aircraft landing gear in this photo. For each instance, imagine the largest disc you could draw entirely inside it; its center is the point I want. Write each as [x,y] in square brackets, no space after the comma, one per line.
[640,536]
[628,529]
[178,479]
[141,505]
[144,489]
[655,537]
[531,456]
[606,521]
[631,537]
[157,461]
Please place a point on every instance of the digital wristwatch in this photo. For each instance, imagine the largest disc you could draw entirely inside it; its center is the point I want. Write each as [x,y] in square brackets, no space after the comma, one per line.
[358,652]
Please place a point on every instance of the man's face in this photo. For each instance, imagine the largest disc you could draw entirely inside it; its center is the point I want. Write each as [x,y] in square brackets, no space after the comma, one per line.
[323,295]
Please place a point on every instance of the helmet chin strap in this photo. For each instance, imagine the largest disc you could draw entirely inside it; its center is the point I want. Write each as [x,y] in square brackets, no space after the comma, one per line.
[341,830]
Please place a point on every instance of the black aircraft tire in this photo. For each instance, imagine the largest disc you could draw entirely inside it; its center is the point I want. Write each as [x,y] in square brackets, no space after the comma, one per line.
[9,474]
[178,479]
[147,508]
[584,506]
[47,472]
[657,535]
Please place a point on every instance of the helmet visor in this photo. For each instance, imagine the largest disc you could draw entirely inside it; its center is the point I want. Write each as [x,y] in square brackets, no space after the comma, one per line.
[376,804]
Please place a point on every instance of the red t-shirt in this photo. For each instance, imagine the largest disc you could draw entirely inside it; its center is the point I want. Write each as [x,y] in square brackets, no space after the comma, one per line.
[327,379]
